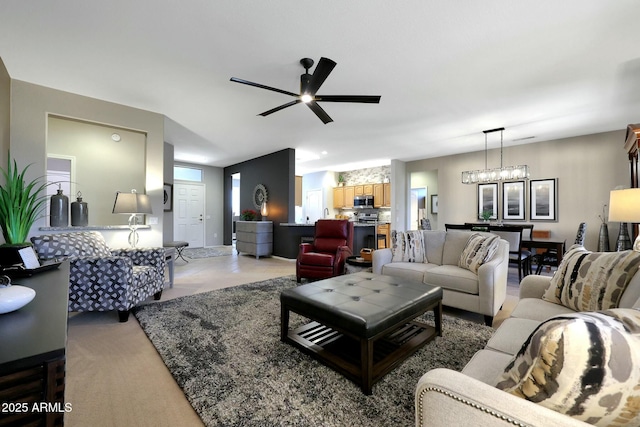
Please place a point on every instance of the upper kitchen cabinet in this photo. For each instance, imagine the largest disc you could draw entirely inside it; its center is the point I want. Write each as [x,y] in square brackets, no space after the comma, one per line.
[298,189]
[349,195]
[381,195]
[363,190]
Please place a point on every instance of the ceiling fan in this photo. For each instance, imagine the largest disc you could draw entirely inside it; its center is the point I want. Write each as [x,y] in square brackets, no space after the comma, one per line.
[309,85]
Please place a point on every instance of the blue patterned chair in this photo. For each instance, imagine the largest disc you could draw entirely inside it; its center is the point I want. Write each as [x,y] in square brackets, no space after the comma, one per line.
[102,279]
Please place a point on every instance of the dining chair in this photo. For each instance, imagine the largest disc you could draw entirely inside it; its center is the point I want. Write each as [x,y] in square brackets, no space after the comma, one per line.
[550,257]
[513,235]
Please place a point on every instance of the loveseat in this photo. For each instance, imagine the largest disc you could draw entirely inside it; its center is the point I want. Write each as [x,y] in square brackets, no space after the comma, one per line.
[102,279]
[438,263]
[552,354]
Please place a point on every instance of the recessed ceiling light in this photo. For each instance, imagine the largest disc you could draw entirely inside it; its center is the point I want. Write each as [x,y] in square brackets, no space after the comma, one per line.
[115,137]
[324,152]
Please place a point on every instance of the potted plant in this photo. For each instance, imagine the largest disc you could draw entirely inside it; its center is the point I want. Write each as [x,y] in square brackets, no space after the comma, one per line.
[486,215]
[21,203]
[340,180]
[248,215]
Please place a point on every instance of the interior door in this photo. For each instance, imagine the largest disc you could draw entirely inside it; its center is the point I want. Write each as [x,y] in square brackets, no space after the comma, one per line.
[313,209]
[188,213]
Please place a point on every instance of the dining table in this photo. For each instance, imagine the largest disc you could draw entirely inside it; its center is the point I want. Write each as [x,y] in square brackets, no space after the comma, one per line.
[545,243]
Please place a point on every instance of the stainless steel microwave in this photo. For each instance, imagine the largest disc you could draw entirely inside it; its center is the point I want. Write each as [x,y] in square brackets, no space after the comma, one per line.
[362,202]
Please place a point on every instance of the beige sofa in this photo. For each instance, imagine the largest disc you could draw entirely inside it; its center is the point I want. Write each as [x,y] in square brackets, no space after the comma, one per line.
[445,397]
[482,293]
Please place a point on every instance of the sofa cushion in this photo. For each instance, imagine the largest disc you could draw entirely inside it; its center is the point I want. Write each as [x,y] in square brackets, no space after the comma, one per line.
[589,281]
[511,334]
[407,270]
[539,310]
[453,278]
[478,249]
[486,365]
[584,365]
[407,246]
[434,245]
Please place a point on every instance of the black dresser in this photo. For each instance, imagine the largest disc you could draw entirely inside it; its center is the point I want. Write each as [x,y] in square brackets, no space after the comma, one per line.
[32,353]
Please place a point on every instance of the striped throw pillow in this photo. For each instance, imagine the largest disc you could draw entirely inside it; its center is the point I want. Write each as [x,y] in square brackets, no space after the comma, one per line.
[407,246]
[478,250]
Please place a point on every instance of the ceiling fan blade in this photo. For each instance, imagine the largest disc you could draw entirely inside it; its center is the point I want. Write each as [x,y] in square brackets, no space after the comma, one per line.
[247,82]
[283,106]
[369,99]
[322,115]
[320,74]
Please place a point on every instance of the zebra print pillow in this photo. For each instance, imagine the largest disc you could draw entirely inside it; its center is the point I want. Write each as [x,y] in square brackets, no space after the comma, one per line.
[478,250]
[585,365]
[407,246]
[589,281]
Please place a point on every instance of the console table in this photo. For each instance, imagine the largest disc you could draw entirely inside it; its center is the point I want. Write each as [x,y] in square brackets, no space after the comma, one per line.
[32,354]
[254,237]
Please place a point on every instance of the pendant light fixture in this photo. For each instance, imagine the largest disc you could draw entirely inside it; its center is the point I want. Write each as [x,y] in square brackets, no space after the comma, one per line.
[503,173]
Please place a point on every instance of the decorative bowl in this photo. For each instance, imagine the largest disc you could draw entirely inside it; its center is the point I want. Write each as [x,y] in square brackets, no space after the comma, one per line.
[13,297]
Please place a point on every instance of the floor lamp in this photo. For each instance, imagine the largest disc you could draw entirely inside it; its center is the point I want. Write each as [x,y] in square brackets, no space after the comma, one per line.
[624,206]
[132,204]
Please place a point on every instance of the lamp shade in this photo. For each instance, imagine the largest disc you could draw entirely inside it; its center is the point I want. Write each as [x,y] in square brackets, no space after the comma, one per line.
[624,205]
[132,203]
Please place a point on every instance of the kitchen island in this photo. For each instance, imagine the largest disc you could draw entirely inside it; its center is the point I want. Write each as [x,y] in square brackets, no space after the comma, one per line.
[303,233]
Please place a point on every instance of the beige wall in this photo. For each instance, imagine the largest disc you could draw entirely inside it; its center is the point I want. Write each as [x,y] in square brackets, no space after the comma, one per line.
[30,106]
[5,107]
[587,168]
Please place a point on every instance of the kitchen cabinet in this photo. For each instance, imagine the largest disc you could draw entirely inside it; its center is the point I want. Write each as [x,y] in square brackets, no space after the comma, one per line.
[298,189]
[338,197]
[349,194]
[384,229]
[358,190]
[382,195]
[387,195]
[367,190]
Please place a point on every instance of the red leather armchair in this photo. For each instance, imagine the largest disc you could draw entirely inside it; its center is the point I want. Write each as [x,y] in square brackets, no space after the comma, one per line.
[325,257]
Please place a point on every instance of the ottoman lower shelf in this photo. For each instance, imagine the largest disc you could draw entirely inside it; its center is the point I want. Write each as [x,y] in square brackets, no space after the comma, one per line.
[342,353]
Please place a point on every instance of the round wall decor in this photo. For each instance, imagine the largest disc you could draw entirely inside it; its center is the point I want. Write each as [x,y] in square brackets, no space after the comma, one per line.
[259,196]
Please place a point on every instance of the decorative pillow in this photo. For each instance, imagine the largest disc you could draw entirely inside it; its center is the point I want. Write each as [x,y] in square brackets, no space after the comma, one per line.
[590,281]
[584,365]
[78,244]
[478,250]
[407,246]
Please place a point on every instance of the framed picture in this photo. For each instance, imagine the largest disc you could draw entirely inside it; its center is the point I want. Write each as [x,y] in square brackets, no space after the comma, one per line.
[488,201]
[434,203]
[513,196]
[543,199]
[168,197]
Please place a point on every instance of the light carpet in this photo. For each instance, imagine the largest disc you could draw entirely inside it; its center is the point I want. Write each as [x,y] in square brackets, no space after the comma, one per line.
[223,348]
[213,251]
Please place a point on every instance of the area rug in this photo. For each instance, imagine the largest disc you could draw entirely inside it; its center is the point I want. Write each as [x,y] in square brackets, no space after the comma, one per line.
[223,348]
[195,253]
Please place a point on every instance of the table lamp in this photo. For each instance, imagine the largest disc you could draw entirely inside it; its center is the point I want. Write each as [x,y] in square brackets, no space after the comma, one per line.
[624,206]
[132,204]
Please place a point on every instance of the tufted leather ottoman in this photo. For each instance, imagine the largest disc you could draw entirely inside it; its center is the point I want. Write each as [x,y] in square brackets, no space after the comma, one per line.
[362,324]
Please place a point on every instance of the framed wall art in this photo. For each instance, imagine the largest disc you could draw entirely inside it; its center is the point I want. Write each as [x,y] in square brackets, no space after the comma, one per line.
[488,201]
[543,199]
[513,200]
[434,203]
[168,197]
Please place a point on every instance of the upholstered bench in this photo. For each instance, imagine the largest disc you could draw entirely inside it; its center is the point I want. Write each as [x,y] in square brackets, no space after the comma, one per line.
[362,324]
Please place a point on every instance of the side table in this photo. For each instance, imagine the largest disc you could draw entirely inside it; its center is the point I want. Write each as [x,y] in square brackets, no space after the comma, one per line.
[356,264]
[170,257]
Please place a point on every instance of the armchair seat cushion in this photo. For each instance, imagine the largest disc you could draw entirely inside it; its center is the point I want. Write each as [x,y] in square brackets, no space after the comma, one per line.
[317,259]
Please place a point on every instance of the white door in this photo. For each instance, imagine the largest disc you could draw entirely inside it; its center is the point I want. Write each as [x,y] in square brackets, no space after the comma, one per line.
[188,214]
[313,209]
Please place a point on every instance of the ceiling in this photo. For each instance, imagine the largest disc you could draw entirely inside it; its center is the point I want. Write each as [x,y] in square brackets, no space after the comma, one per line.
[446,71]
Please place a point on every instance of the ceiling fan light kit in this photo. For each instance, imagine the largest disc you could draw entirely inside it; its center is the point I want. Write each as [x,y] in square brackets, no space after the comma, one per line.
[309,85]
[503,173]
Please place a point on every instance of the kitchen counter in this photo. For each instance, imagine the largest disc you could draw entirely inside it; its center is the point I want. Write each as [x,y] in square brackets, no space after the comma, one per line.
[297,233]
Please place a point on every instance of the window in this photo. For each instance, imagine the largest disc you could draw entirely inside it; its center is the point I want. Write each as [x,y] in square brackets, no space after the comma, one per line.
[187,174]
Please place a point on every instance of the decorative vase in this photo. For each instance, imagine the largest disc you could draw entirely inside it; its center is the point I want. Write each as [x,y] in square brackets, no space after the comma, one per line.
[79,212]
[624,242]
[59,212]
[603,239]
[13,297]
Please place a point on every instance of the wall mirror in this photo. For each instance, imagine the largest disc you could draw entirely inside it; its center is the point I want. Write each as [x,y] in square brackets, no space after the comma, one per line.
[101,160]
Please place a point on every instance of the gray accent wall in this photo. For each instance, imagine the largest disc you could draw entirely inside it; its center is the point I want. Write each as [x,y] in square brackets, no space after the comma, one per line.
[276,171]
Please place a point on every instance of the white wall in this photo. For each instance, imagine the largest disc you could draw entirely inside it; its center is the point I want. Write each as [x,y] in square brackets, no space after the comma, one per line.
[587,168]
